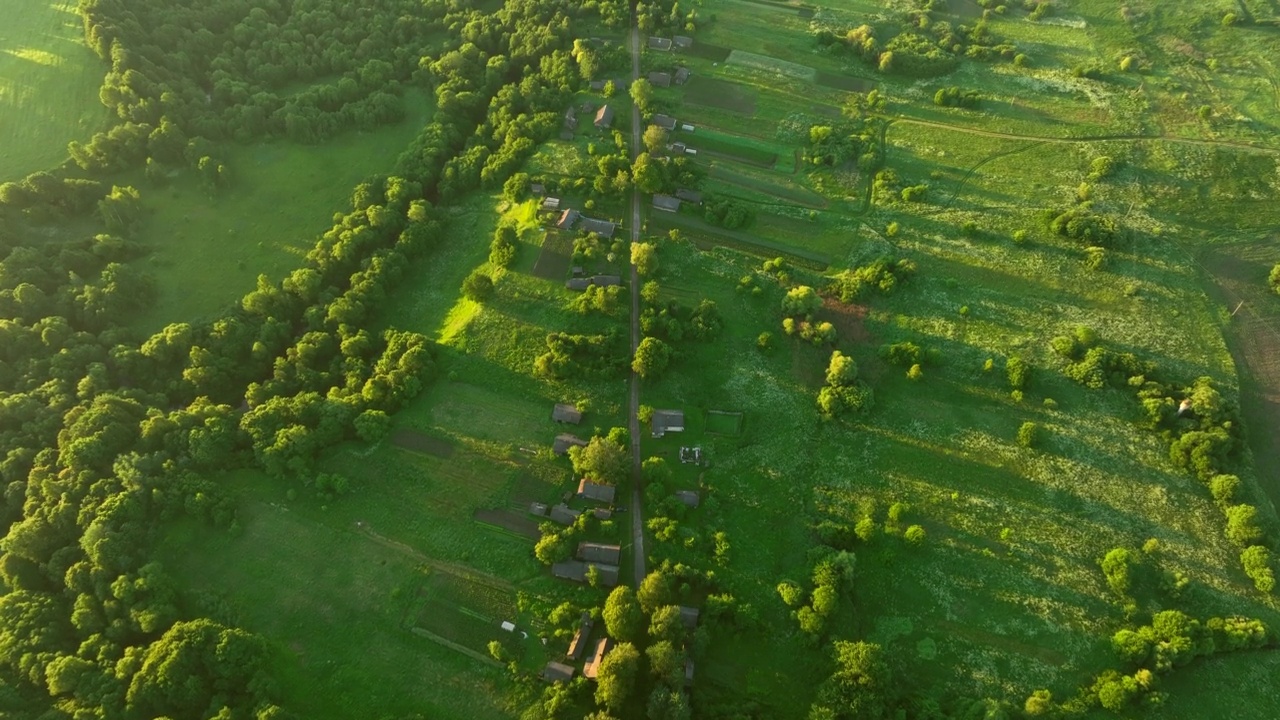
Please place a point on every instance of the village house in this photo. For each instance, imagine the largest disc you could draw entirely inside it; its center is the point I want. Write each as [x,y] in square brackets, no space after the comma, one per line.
[605,280]
[596,553]
[682,75]
[660,79]
[688,497]
[665,421]
[551,203]
[603,228]
[564,514]
[580,637]
[556,672]
[566,413]
[576,571]
[564,441]
[578,284]
[666,122]
[658,43]
[689,196]
[689,616]
[567,218]
[683,42]
[596,491]
[666,203]
[604,117]
[592,665]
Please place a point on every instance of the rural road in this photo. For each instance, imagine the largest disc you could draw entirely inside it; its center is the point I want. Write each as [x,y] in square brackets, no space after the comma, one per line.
[633,421]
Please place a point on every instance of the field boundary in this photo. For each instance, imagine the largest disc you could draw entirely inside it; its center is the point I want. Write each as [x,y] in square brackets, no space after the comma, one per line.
[455,647]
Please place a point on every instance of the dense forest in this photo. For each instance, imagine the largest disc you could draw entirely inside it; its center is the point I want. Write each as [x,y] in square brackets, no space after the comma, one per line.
[103,433]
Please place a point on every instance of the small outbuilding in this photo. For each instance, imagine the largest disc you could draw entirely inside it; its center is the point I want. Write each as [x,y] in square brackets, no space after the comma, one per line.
[539,509]
[689,617]
[682,42]
[580,637]
[596,491]
[666,122]
[689,196]
[571,119]
[602,513]
[597,85]
[688,497]
[691,455]
[592,666]
[551,203]
[666,203]
[564,514]
[604,117]
[665,421]
[688,672]
[566,413]
[659,43]
[597,553]
[556,672]
[682,75]
[568,217]
[578,284]
[660,79]
[564,441]
[538,189]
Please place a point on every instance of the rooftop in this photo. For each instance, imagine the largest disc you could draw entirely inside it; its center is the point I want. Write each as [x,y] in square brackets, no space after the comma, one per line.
[599,553]
[660,79]
[596,491]
[558,672]
[665,122]
[564,441]
[566,413]
[666,203]
[658,43]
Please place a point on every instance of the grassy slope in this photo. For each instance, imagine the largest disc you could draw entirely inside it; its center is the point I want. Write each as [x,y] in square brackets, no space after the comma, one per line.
[49,85]
[208,252]
[972,611]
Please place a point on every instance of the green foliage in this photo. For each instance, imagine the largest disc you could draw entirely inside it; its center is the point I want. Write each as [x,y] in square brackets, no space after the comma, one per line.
[645,257]
[882,274]
[581,355]
[1273,279]
[914,535]
[957,97]
[902,354]
[1242,525]
[1082,224]
[1256,560]
[655,591]
[860,687]
[502,249]
[1117,566]
[914,55]
[602,459]
[478,286]
[727,213]
[652,357]
[616,676]
[623,616]
[843,391]
[1018,372]
[1028,434]
[801,300]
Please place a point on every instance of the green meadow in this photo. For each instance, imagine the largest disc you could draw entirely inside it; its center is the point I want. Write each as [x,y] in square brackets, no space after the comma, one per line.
[49,83]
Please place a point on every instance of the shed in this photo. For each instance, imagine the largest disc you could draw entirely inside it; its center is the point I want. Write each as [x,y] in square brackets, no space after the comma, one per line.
[660,79]
[567,218]
[597,85]
[659,43]
[666,122]
[550,203]
[605,280]
[580,637]
[682,75]
[538,189]
[564,514]
[578,284]
[596,491]
[604,116]
[689,616]
[603,228]
[602,513]
[690,196]
[665,421]
[566,413]
[688,497]
[570,119]
[576,271]
[592,666]
[539,509]
[688,672]
[666,203]
[679,148]
[598,553]
[686,127]
[684,42]
[556,672]
[564,441]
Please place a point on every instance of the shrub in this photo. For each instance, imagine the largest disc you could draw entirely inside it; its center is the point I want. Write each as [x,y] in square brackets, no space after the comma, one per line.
[764,341]
[1242,525]
[1274,278]
[1224,488]
[1257,565]
[915,373]
[1028,434]
[477,286]
[1017,371]
[915,535]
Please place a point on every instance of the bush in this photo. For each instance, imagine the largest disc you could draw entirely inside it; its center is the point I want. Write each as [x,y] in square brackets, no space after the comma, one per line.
[1242,525]
[1224,488]
[915,535]
[1257,565]
[1274,278]
[915,373]
[478,286]
[1028,434]
[1018,372]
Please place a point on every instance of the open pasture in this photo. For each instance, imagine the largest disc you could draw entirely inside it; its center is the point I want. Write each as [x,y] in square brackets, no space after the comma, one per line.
[207,251]
[49,82]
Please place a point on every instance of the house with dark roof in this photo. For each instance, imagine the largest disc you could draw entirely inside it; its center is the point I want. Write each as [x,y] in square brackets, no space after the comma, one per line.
[578,284]
[598,553]
[603,228]
[602,513]
[551,203]
[660,79]
[538,189]
[679,148]
[564,514]
[659,43]
[666,203]
[683,42]
[689,196]
[689,616]
[688,497]
[567,218]
[682,75]
[556,672]
[605,280]
[576,570]
[592,666]
[564,441]
[596,491]
[665,421]
[597,85]
[604,116]
[666,122]
[539,509]
[566,413]
[580,637]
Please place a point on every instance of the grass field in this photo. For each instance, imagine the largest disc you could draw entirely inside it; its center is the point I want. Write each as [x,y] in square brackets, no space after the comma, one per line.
[49,82]
[207,252]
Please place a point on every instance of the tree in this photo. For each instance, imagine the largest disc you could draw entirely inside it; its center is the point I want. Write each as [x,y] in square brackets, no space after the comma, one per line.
[601,459]
[1039,704]
[652,357]
[1116,566]
[792,594]
[616,677]
[665,624]
[801,300]
[764,341]
[842,370]
[655,139]
[861,686]
[642,94]
[1028,433]
[372,425]
[1242,525]
[623,618]
[666,661]
[645,257]
[478,286]
[915,535]
[655,591]
[667,704]
[648,174]
[1274,278]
